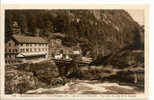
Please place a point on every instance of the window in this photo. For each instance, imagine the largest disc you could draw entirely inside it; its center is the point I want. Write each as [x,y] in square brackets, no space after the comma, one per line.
[35,49]
[13,56]
[20,50]
[21,44]
[27,50]
[28,44]
[39,49]
[30,49]
[23,50]
[9,50]
[6,55]
[16,50]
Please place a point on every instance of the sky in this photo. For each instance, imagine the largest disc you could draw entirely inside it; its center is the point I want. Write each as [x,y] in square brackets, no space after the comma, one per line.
[137,15]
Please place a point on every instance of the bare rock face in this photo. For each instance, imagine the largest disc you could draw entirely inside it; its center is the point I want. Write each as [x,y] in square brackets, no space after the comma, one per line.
[24,77]
[102,32]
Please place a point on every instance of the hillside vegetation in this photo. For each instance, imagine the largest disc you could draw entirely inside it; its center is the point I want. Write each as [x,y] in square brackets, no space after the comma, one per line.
[101,32]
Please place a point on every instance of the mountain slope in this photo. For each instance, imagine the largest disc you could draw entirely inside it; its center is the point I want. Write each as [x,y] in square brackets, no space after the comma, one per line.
[100,32]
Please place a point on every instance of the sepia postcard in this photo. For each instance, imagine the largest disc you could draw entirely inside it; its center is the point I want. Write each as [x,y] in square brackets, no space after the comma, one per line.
[94,51]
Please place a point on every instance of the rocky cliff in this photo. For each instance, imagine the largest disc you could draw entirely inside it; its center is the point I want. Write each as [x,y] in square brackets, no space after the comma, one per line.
[98,31]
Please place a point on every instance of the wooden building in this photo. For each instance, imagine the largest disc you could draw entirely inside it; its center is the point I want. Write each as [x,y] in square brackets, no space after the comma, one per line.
[22,49]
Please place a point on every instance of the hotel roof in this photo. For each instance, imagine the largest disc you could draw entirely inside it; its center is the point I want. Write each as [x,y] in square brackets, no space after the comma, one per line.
[28,39]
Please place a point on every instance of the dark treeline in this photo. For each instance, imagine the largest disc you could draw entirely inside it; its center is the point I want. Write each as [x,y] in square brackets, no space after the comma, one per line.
[99,31]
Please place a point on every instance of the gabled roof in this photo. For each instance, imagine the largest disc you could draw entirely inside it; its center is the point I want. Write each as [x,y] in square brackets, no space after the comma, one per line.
[28,39]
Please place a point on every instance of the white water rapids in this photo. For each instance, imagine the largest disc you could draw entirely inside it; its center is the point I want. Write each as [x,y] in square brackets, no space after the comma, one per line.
[86,87]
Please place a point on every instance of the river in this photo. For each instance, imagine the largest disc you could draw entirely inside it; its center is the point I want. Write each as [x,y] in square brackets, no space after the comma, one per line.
[87,87]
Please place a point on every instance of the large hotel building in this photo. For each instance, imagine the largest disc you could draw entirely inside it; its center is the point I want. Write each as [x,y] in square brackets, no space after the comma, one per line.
[21,49]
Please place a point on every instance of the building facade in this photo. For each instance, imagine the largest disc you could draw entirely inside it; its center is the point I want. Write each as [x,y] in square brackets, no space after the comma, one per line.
[22,49]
